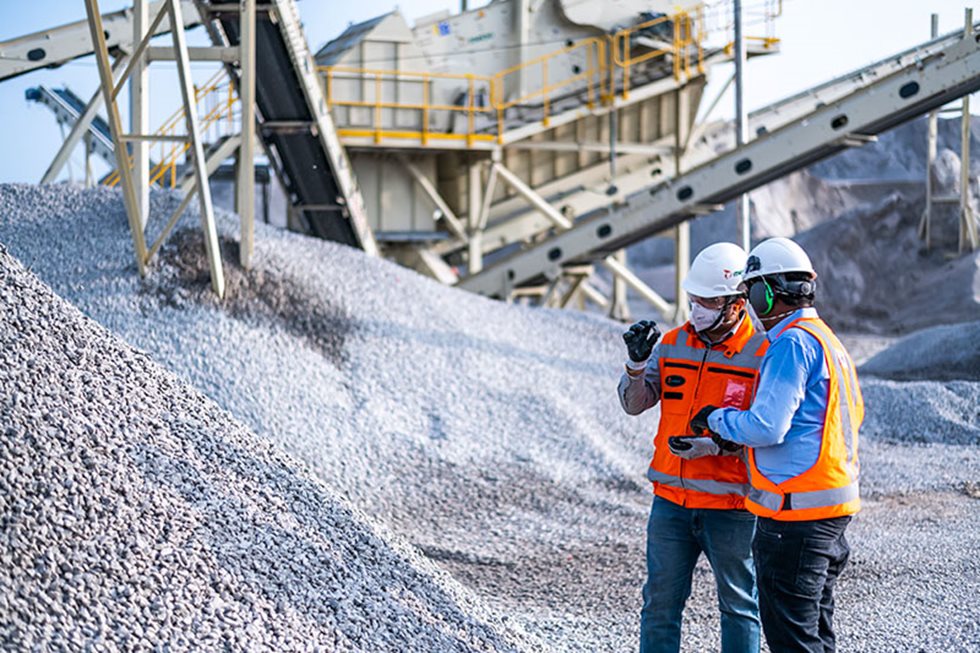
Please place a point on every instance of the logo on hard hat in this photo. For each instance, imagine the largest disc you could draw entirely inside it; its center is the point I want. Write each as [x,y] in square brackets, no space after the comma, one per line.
[728,274]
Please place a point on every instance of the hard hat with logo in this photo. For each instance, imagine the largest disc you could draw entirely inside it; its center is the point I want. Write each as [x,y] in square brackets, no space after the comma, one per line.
[716,271]
[777,256]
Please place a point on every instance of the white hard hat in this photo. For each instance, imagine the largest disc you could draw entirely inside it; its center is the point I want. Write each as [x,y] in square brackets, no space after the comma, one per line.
[777,256]
[716,271]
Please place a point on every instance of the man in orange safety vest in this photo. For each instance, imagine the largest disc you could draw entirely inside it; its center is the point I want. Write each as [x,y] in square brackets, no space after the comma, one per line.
[802,435]
[699,490]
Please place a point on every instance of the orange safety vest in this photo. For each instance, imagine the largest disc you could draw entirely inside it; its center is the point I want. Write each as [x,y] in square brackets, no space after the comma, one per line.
[830,487]
[692,376]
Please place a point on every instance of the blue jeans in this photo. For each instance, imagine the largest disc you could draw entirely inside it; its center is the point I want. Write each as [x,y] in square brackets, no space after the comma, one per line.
[676,536]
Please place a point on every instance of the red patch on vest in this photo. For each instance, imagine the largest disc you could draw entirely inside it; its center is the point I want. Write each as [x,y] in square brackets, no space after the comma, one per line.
[735,393]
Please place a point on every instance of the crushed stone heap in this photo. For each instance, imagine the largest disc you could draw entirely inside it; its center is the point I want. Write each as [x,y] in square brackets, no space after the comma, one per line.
[489,435]
[947,352]
[136,514]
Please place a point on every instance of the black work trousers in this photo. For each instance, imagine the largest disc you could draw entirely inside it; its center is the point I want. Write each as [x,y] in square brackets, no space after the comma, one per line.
[797,565]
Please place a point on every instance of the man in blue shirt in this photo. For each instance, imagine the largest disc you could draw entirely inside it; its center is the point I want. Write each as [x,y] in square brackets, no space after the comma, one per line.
[802,433]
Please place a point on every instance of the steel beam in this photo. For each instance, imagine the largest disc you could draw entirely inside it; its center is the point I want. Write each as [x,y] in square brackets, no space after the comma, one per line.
[741,124]
[533,198]
[97,32]
[246,154]
[893,91]
[648,149]
[197,150]
[139,112]
[62,44]
[454,224]
[474,211]
[211,53]
[619,269]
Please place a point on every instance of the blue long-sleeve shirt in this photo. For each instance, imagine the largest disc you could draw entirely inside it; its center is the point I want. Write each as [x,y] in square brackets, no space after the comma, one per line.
[784,424]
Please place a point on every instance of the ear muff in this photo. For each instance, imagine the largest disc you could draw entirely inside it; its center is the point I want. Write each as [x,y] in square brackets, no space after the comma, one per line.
[761,297]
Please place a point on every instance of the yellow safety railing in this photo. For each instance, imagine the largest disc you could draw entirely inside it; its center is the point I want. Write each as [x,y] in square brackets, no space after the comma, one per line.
[606,59]
[594,75]
[216,105]
[375,80]
[686,41]
[610,63]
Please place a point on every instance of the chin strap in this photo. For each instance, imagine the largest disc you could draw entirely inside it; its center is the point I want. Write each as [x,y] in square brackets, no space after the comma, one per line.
[772,319]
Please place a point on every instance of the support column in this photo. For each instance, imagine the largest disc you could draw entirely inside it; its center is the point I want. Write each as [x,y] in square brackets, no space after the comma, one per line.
[619,308]
[97,32]
[682,254]
[196,148]
[968,223]
[682,232]
[245,185]
[966,236]
[89,177]
[139,112]
[925,225]
[741,125]
[523,31]
[474,211]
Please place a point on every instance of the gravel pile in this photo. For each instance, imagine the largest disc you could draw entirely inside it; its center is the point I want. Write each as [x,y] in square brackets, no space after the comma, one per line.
[945,352]
[876,278]
[138,515]
[486,435]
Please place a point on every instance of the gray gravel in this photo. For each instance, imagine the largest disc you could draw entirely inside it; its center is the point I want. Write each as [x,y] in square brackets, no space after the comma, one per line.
[138,515]
[486,435]
[944,352]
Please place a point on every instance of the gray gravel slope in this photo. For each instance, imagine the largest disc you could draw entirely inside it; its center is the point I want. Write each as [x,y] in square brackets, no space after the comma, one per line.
[136,514]
[487,435]
[944,352]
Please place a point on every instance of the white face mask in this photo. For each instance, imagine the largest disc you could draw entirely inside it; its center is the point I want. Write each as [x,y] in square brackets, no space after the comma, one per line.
[705,319]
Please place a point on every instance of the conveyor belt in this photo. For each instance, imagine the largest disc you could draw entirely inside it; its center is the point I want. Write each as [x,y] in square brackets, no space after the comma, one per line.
[296,127]
[791,135]
[67,108]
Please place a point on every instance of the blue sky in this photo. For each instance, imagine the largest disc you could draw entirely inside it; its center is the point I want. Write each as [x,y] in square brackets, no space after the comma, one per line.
[821,39]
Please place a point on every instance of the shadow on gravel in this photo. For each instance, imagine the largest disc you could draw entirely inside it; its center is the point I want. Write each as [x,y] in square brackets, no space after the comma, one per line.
[258,296]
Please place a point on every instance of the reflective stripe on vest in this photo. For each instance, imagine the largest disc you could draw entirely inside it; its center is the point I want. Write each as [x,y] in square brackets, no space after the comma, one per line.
[682,351]
[697,484]
[842,421]
[847,387]
[800,500]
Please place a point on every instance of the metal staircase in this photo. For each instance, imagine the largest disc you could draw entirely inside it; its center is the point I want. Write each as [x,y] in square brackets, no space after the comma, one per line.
[848,111]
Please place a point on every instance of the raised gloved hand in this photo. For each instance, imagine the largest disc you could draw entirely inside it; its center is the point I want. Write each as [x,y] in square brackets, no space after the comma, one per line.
[690,447]
[640,339]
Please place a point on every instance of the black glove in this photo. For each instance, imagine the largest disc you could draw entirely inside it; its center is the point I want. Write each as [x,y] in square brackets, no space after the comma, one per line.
[640,339]
[726,446]
[699,423]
